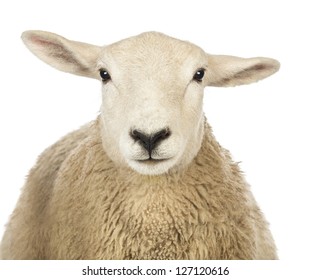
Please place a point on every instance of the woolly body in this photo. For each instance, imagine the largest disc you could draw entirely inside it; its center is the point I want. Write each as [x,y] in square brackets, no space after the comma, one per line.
[103,212]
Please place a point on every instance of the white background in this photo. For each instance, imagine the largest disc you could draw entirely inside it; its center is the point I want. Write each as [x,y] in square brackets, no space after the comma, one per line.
[265,125]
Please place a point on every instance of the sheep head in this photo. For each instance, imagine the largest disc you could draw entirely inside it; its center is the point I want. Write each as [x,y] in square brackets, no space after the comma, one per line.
[152,92]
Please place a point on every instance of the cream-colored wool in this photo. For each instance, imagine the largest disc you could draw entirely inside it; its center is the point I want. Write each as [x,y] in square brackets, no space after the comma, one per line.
[99,194]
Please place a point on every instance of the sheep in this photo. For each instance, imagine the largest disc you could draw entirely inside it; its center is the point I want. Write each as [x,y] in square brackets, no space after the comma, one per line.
[146,179]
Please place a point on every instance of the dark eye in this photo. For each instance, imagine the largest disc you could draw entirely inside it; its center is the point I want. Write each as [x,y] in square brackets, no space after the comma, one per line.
[104,75]
[199,75]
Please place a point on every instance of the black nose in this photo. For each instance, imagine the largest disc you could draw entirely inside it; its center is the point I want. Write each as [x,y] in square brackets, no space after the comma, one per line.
[150,141]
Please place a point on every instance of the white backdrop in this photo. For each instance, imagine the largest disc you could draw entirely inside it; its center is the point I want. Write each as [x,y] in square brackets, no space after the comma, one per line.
[265,125]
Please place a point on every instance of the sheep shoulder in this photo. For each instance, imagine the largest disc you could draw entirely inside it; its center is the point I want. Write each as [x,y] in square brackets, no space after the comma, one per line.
[29,218]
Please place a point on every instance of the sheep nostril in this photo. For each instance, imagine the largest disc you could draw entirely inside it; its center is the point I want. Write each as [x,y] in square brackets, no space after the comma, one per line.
[136,135]
[160,135]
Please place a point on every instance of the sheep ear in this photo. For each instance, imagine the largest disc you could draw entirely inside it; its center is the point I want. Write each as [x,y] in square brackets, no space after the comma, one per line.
[65,55]
[225,71]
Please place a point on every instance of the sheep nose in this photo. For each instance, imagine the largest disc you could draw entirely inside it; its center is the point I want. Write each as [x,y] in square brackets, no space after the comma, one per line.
[150,141]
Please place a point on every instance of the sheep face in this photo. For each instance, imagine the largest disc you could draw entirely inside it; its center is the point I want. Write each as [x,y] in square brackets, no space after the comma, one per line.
[151,112]
[152,92]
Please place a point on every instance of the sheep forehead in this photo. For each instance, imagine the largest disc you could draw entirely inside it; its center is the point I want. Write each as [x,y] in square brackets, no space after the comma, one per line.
[152,50]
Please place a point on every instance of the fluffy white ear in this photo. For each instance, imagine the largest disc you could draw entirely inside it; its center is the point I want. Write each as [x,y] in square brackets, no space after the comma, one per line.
[65,55]
[225,71]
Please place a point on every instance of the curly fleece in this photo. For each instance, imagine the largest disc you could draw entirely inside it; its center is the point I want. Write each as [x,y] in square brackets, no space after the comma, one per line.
[77,204]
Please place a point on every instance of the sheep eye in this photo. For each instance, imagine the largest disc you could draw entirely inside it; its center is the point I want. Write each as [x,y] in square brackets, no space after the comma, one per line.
[199,74]
[104,75]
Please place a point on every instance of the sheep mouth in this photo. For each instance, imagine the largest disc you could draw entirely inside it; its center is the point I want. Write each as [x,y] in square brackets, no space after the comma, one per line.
[152,160]
[152,166]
